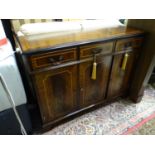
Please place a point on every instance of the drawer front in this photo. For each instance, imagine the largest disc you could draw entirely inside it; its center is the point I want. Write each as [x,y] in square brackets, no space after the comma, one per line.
[99,49]
[128,44]
[53,58]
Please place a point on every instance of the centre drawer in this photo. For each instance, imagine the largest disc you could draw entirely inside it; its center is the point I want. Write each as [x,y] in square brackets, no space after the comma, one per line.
[99,49]
[52,58]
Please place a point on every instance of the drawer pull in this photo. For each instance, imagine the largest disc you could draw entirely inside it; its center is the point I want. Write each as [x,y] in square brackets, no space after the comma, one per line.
[126,50]
[127,45]
[124,63]
[56,61]
[97,51]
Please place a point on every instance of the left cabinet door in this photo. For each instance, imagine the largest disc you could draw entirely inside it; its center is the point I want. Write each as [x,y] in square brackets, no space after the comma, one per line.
[56,92]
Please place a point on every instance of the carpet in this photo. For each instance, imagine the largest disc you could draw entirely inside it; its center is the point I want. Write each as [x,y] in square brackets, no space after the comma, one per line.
[118,118]
[145,127]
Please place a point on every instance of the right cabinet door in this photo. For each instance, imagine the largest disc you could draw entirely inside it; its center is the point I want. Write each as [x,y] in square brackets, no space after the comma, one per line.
[123,66]
[121,74]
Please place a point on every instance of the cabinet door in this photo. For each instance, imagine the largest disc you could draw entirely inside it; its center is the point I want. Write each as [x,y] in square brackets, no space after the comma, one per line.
[56,92]
[120,79]
[93,91]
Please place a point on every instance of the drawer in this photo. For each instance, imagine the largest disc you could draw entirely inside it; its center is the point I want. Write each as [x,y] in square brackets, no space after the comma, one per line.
[128,44]
[99,49]
[53,58]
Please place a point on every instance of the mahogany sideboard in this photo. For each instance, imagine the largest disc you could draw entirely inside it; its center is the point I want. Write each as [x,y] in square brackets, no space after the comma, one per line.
[57,72]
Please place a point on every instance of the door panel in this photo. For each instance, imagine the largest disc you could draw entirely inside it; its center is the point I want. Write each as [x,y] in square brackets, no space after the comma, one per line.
[56,91]
[120,79]
[93,91]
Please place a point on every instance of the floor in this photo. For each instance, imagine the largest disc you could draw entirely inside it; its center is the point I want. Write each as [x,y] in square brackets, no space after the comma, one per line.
[115,119]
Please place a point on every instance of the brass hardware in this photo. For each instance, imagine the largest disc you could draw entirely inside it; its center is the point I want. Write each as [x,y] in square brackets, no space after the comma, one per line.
[56,61]
[81,89]
[124,63]
[97,51]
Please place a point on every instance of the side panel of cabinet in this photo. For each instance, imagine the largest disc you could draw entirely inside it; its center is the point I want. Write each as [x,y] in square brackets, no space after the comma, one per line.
[93,91]
[120,79]
[56,92]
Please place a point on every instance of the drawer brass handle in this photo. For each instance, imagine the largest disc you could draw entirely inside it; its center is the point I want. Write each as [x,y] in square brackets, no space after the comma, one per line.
[56,61]
[128,44]
[96,51]
[124,63]
[129,49]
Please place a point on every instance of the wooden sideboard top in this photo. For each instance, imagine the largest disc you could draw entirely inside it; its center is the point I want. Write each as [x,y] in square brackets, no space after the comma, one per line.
[76,38]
